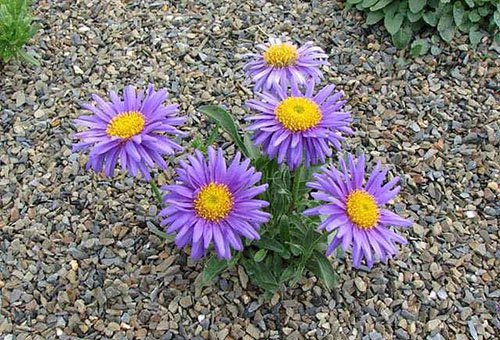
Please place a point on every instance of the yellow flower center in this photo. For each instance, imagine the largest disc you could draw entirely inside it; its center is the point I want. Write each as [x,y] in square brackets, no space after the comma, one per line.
[214,202]
[282,55]
[362,209]
[298,114]
[126,125]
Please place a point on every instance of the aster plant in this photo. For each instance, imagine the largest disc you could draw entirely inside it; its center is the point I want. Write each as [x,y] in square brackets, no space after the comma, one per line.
[302,232]
[285,201]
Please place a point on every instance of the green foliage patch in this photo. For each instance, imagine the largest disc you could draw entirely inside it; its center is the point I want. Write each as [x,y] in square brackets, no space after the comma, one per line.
[16,29]
[403,18]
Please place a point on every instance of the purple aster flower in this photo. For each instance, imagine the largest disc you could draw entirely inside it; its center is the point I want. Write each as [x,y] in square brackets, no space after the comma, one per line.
[131,130]
[216,203]
[355,210]
[290,126]
[280,63]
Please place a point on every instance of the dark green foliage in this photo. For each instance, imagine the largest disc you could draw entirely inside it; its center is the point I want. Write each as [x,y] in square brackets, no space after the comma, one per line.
[404,18]
[16,29]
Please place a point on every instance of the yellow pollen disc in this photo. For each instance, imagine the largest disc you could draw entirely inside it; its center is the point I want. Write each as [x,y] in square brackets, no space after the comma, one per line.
[298,114]
[362,209]
[282,55]
[213,202]
[126,125]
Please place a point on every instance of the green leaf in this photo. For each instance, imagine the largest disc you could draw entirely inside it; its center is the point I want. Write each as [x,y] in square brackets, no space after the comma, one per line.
[284,229]
[419,47]
[446,28]
[433,3]
[260,255]
[458,13]
[270,244]
[297,249]
[287,274]
[253,152]
[353,2]
[417,5]
[369,3]
[393,23]
[431,18]
[28,58]
[373,17]
[470,3]
[484,11]
[323,269]
[475,36]
[214,267]
[474,16]
[161,234]
[227,123]
[402,37]
[496,18]
[466,26]
[391,9]
[379,5]
[414,17]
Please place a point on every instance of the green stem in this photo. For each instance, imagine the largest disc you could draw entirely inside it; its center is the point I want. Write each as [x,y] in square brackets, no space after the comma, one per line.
[296,186]
[156,192]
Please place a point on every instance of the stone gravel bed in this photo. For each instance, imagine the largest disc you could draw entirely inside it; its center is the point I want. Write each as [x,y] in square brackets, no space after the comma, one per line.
[77,259]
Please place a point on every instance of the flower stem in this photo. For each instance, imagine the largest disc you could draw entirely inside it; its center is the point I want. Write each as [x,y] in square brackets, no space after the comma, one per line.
[155,190]
[296,186]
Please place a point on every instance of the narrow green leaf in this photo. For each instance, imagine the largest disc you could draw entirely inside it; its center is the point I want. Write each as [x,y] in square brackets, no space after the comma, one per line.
[323,269]
[419,47]
[270,244]
[296,249]
[161,234]
[28,57]
[373,17]
[379,5]
[353,2]
[260,255]
[223,118]
[213,267]
[287,274]
[417,5]
[253,152]
[393,23]
[284,229]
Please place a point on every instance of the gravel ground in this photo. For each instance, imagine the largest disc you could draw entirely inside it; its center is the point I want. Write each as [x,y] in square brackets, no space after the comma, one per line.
[77,259]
